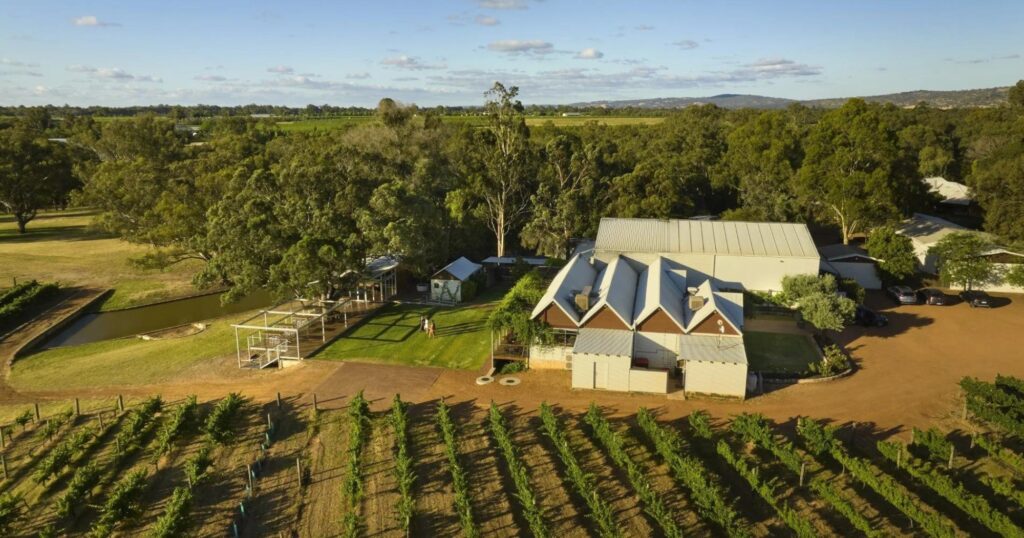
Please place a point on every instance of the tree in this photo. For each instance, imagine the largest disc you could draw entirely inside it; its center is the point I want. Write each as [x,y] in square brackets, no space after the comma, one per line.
[1015,275]
[894,252]
[855,172]
[498,165]
[559,205]
[763,157]
[997,182]
[34,173]
[1016,95]
[818,302]
[960,259]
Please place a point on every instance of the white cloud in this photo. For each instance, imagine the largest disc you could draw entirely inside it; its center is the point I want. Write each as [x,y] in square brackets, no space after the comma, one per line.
[112,73]
[358,76]
[502,4]
[92,20]
[777,67]
[486,20]
[686,44]
[519,46]
[40,90]
[17,63]
[281,69]
[643,28]
[211,78]
[409,62]
[589,54]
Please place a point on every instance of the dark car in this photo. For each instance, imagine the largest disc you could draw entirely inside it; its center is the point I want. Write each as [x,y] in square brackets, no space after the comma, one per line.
[869,318]
[976,299]
[902,294]
[932,296]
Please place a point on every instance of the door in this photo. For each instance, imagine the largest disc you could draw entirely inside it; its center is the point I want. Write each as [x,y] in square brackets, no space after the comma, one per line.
[600,374]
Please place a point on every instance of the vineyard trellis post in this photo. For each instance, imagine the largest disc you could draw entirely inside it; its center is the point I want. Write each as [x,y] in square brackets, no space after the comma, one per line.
[3,443]
[298,470]
[315,408]
[279,400]
[952,452]
[78,408]
[120,404]
[37,412]
[3,463]
[803,468]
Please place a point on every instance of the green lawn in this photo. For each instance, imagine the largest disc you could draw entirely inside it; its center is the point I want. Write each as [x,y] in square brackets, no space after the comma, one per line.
[61,246]
[462,339]
[123,361]
[779,353]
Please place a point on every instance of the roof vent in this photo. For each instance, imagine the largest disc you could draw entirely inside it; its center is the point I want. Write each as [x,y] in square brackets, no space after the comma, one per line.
[696,302]
[583,299]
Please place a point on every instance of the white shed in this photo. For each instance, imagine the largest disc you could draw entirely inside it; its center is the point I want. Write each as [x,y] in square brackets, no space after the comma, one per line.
[603,359]
[714,364]
[446,285]
[851,261]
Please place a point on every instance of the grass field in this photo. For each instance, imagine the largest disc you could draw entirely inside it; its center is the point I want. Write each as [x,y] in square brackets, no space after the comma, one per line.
[392,336]
[60,246]
[779,353]
[123,361]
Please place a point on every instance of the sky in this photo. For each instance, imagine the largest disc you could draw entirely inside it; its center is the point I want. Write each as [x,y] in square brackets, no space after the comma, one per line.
[353,53]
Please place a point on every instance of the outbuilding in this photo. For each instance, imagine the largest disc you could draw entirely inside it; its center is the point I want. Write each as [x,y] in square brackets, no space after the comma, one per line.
[853,262]
[454,283]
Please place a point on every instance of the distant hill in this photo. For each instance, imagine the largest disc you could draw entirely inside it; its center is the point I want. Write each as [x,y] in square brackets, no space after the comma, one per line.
[984,97]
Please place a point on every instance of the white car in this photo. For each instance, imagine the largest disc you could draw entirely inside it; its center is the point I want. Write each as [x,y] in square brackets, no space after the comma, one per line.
[902,294]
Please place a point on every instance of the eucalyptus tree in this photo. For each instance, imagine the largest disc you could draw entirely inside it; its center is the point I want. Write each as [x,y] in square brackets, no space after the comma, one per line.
[35,173]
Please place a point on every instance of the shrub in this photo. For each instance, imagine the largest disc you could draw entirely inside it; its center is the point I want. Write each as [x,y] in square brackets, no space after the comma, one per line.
[834,362]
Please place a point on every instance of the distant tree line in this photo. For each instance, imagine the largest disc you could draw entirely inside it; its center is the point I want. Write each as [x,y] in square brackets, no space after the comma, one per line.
[262,208]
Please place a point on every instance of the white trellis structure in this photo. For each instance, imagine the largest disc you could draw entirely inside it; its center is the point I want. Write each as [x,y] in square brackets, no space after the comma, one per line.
[276,334]
[291,330]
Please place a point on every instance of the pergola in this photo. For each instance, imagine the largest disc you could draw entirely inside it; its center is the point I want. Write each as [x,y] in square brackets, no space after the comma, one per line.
[276,334]
[283,331]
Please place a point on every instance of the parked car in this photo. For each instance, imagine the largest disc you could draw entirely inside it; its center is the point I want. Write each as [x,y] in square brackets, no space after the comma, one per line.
[976,299]
[869,318]
[932,296]
[902,294]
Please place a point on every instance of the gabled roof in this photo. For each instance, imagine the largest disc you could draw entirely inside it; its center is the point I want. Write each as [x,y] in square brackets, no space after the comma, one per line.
[569,280]
[726,304]
[928,229]
[616,289]
[655,290]
[791,240]
[951,192]
[839,252]
[461,268]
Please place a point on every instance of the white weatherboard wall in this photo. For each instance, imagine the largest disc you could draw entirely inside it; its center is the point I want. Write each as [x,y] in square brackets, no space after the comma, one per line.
[661,349]
[642,380]
[706,377]
[864,274]
[592,371]
[549,357]
[446,290]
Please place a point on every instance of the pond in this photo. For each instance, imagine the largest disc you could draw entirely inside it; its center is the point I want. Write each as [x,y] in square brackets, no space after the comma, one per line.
[95,326]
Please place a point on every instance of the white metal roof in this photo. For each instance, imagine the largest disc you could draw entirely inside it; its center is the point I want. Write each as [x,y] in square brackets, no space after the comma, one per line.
[616,289]
[512,260]
[569,280]
[380,265]
[951,192]
[705,237]
[928,229]
[612,342]
[461,268]
[729,305]
[839,252]
[698,347]
[656,289]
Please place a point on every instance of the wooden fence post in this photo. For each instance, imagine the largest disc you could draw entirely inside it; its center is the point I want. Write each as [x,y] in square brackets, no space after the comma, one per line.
[37,412]
[803,467]
[279,400]
[298,470]
[78,408]
[315,408]
[120,404]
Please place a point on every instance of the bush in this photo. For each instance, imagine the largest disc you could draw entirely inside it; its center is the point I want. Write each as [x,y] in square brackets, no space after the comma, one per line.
[834,362]
[853,290]
[512,315]
[513,367]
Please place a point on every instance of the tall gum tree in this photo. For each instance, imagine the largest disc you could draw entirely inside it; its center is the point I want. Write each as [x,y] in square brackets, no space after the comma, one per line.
[498,164]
